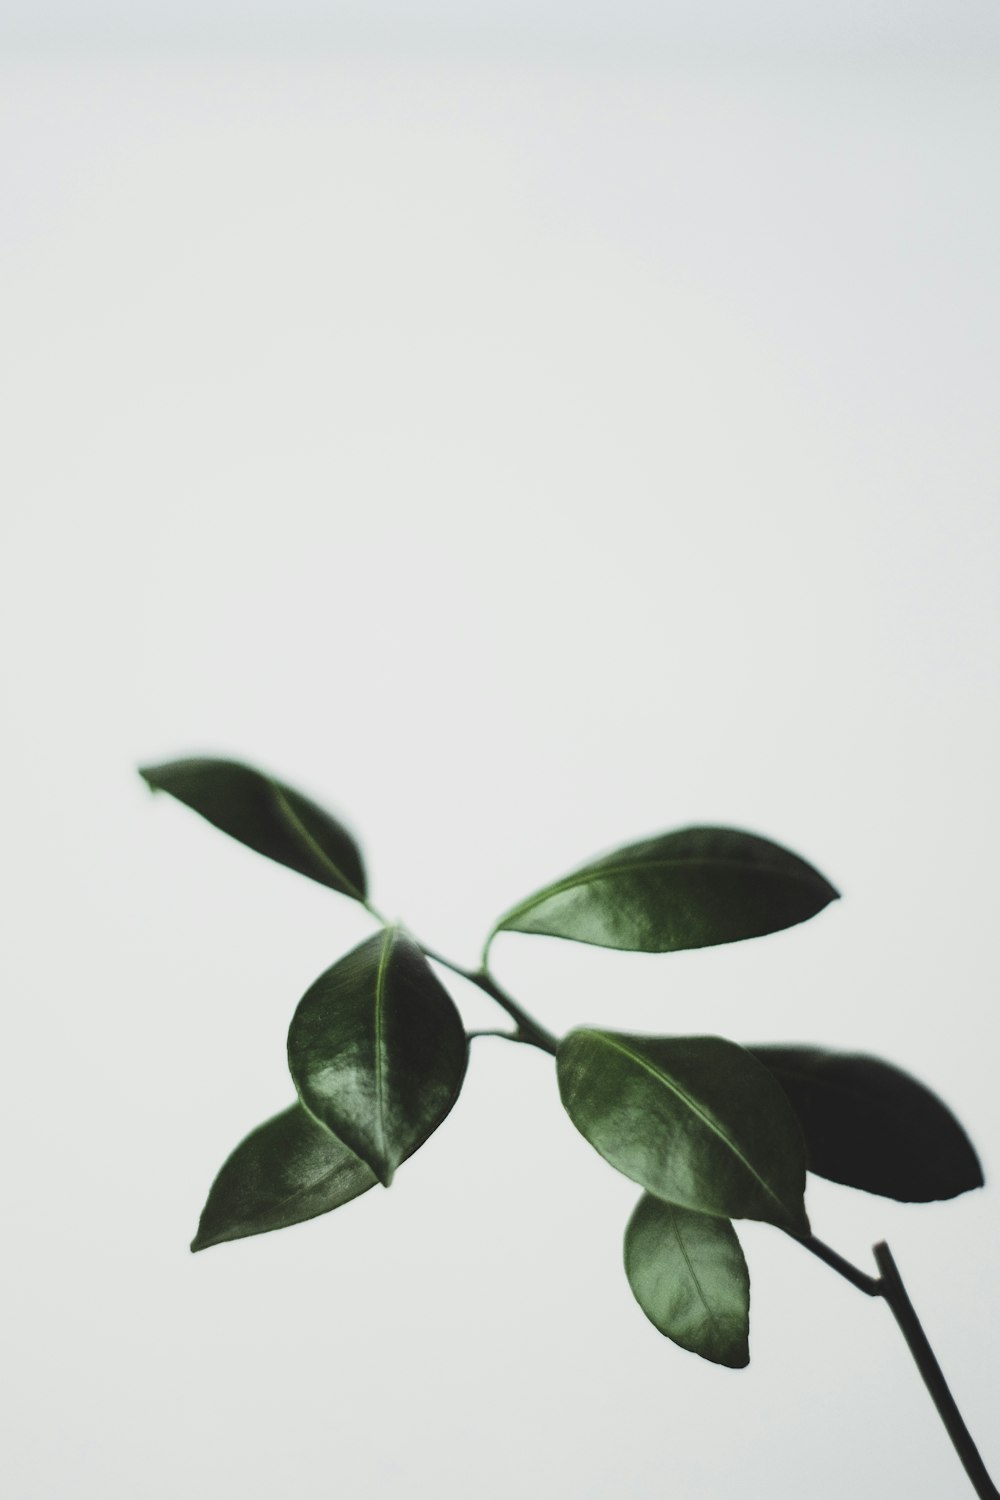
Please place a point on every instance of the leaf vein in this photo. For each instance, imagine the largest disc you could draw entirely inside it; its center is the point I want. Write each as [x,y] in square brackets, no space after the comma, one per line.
[696,1110]
[712,1317]
[605,872]
[314,847]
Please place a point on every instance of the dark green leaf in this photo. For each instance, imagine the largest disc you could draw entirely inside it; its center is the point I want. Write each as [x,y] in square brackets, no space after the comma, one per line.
[688,889]
[870,1125]
[287,1170]
[689,1275]
[378,1051]
[267,816]
[695,1120]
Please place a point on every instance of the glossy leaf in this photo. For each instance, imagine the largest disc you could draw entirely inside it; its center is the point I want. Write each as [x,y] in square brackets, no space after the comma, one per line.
[688,1273]
[289,1169]
[696,1121]
[268,817]
[870,1125]
[689,889]
[378,1051]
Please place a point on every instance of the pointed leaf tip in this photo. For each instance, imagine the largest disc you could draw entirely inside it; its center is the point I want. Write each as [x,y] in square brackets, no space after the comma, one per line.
[286,1171]
[267,816]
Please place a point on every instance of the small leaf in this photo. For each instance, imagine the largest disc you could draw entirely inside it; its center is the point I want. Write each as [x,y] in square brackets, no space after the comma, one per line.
[688,1273]
[696,1121]
[268,817]
[869,1125]
[287,1170]
[378,1051]
[688,889]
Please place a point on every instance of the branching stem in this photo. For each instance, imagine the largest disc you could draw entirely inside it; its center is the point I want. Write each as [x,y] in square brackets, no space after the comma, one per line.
[870,1285]
[528,1029]
[888,1285]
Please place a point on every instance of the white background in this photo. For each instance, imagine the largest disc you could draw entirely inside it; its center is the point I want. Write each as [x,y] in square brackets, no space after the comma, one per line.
[526,433]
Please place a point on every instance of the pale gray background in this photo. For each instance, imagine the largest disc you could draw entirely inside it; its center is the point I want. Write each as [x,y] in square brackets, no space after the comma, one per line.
[526,428]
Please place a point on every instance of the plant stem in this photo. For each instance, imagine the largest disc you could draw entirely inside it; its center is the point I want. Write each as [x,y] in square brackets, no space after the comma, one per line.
[889,1286]
[528,1029]
[870,1285]
[894,1292]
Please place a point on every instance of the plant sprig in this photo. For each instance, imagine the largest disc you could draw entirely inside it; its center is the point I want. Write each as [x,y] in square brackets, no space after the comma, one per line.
[711,1130]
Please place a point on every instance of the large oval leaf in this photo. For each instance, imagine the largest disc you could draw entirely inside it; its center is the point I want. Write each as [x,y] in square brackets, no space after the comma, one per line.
[688,889]
[289,1169]
[378,1051]
[696,1121]
[267,816]
[688,1273]
[870,1125]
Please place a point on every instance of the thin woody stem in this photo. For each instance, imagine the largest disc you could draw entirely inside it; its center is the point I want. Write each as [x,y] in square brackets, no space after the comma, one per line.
[528,1029]
[892,1289]
[870,1285]
[889,1286]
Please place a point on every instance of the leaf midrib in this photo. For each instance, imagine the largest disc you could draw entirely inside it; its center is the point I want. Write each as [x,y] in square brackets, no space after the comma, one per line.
[589,877]
[300,1192]
[698,1112]
[712,1317]
[311,843]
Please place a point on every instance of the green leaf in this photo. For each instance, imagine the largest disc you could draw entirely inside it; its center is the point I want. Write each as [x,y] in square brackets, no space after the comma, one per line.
[378,1051]
[870,1125]
[287,1170]
[688,889]
[696,1121]
[268,817]
[688,1273]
